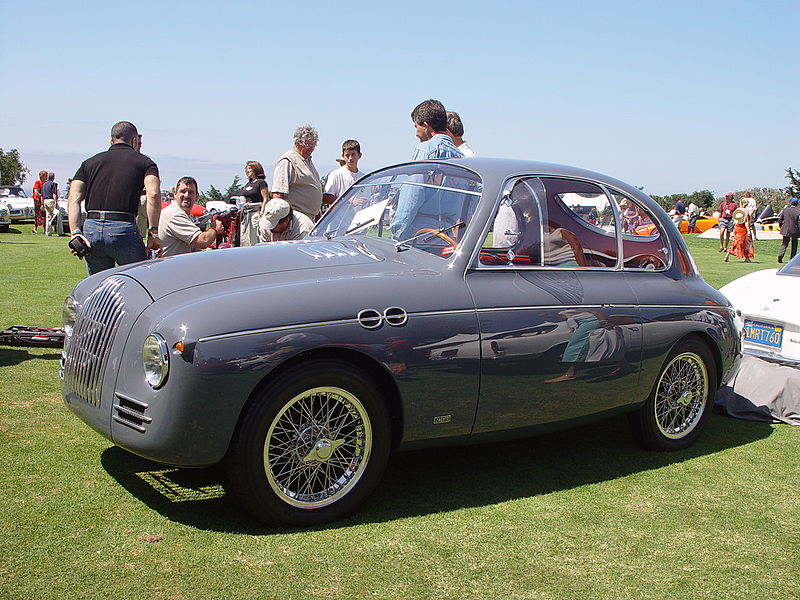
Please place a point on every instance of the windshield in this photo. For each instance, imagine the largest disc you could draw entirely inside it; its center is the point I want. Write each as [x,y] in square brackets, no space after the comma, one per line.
[12,192]
[427,205]
[792,267]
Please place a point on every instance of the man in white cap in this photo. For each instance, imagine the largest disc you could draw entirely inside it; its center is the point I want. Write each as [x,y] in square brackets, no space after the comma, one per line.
[279,222]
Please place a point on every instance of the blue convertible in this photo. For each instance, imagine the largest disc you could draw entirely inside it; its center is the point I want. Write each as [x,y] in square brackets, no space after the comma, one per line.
[518,302]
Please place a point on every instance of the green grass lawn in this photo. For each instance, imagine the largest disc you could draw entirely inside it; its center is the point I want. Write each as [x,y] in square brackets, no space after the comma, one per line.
[581,514]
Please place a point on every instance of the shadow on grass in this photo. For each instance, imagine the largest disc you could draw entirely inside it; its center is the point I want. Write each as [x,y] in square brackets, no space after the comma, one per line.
[430,481]
[14,231]
[14,355]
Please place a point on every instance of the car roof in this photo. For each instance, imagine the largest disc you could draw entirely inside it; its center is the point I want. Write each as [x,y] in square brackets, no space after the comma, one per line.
[492,168]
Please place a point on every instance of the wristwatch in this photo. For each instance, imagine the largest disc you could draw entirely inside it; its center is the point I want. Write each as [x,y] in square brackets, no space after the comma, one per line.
[152,231]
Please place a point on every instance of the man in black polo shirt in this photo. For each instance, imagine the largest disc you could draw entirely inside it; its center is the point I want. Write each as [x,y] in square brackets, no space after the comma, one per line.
[110,183]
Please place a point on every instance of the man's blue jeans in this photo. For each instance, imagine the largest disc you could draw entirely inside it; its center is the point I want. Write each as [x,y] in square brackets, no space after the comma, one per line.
[112,242]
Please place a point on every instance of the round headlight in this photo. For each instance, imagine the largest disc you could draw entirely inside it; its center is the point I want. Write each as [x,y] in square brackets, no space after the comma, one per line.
[155,359]
[68,314]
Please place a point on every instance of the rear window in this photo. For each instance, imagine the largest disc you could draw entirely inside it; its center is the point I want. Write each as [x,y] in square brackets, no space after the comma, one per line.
[565,223]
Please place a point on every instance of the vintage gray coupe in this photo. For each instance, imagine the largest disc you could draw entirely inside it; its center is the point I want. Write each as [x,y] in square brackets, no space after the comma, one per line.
[439,302]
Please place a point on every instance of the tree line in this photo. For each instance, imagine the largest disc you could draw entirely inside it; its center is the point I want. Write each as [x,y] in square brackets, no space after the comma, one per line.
[14,172]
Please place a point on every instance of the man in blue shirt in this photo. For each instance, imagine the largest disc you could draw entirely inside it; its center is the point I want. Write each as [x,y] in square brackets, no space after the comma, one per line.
[416,205]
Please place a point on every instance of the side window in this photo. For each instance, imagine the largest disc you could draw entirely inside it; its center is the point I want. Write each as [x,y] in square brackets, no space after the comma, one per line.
[579,225]
[643,244]
[515,237]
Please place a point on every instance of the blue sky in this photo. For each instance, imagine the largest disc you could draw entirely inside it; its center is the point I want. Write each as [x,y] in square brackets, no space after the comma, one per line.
[673,96]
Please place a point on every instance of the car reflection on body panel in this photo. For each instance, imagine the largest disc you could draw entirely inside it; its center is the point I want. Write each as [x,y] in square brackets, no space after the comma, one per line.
[514,303]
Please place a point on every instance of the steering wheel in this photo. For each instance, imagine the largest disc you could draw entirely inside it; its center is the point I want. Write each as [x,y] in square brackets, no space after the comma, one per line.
[450,241]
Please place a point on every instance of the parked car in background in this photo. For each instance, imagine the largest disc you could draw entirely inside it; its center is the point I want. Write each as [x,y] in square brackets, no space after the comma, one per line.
[702,224]
[436,303]
[767,300]
[5,219]
[17,202]
[219,205]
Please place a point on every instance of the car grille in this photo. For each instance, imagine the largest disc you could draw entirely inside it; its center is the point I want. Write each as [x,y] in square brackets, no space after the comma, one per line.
[86,350]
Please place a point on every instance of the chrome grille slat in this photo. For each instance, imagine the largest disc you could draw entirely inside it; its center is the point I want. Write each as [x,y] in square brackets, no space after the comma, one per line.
[87,337]
[107,313]
[89,345]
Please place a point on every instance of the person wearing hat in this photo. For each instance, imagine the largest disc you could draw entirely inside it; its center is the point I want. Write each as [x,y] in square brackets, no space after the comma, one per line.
[725,221]
[789,220]
[741,242]
[279,222]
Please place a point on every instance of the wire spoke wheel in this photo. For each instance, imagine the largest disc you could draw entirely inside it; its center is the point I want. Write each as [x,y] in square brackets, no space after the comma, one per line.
[679,404]
[681,395]
[317,447]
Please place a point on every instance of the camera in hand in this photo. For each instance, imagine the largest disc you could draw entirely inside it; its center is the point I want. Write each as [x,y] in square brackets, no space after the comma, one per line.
[80,247]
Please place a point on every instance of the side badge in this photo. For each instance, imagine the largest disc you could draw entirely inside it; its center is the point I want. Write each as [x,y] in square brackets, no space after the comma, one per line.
[442,419]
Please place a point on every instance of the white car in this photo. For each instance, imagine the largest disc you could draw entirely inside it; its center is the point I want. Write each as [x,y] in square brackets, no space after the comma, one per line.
[768,302]
[18,203]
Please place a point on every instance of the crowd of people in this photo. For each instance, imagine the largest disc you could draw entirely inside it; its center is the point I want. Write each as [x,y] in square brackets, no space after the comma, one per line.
[736,223]
[109,185]
[45,204]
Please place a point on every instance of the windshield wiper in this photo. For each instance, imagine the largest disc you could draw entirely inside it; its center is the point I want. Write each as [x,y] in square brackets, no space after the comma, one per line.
[355,227]
[403,245]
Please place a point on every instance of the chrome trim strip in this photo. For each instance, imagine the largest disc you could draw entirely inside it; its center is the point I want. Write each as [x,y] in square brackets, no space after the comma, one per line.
[425,185]
[235,334]
[463,311]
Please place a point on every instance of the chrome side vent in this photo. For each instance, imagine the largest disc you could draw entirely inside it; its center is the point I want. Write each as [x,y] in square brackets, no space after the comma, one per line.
[395,316]
[86,350]
[131,412]
[369,318]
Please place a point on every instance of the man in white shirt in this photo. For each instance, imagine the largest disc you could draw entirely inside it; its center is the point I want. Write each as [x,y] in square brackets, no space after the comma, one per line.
[295,178]
[340,180]
[455,129]
[177,230]
[693,213]
[751,208]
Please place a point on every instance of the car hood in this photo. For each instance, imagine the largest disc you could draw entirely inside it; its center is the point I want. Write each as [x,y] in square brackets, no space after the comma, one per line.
[765,294]
[168,275]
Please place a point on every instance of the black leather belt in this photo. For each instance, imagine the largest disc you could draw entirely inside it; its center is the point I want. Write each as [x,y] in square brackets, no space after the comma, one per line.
[111,215]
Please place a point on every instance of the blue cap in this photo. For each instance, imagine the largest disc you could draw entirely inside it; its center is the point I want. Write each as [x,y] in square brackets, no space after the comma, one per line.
[794,200]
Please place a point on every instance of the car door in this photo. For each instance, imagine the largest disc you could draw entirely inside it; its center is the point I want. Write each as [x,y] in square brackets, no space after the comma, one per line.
[560,330]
